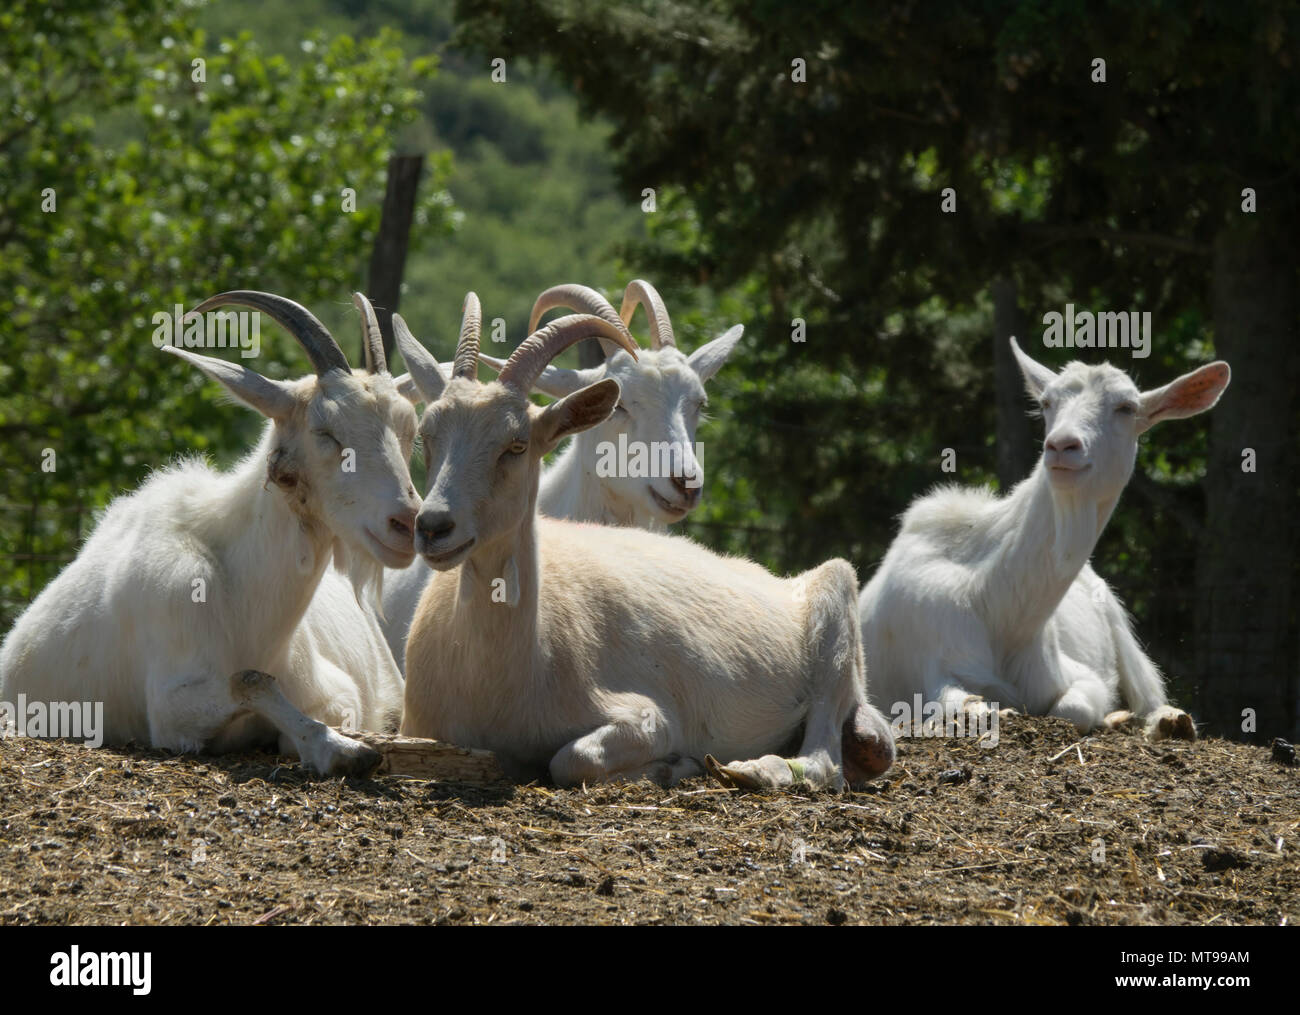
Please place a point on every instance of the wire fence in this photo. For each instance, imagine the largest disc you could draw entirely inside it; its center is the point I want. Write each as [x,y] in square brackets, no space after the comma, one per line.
[40,540]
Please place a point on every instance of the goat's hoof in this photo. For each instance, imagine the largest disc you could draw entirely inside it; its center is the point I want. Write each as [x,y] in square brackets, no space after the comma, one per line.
[339,756]
[761,775]
[1169,723]
[1118,720]
[359,763]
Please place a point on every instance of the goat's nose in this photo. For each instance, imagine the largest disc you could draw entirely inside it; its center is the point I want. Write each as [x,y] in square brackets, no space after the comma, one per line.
[435,525]
[688,487]
[402,522]
[1061,443]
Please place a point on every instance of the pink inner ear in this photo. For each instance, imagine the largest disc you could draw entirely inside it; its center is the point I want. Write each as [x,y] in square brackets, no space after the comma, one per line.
[1194,394]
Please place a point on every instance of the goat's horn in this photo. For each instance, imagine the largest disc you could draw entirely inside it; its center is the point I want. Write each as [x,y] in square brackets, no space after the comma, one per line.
[583,299]
[319,344]
[372,339]
[640,292]
[471,326]
[528,361]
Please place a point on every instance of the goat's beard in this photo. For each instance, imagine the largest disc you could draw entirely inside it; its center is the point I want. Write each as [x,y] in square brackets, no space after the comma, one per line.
[364,572]
[1075,519]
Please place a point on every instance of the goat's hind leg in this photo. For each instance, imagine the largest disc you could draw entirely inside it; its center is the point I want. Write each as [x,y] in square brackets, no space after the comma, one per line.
[627,749]
[844,736]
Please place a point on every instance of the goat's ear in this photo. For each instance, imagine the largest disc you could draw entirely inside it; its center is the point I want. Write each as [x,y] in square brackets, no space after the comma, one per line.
[271,398]
[576,412]
[554,381]
[1190,394]
[425,372]
[1037,377]
[707,360]
[406,388]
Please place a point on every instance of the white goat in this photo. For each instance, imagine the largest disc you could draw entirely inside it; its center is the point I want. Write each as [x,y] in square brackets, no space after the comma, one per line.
[190,589]
[597,652]
[663,398]
[984,599]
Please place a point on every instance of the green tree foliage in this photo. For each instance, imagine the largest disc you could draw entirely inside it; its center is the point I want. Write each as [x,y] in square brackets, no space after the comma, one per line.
[536,201]
[802,152]
[168,184]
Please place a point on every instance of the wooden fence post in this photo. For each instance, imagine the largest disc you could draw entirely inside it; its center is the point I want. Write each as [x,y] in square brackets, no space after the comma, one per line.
[388,258]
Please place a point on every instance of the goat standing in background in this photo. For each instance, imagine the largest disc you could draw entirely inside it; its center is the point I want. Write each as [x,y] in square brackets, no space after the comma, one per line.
[598,652]
[985,599]
[188,593]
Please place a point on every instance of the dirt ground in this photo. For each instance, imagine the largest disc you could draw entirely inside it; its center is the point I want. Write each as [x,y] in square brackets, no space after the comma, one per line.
[1115,831]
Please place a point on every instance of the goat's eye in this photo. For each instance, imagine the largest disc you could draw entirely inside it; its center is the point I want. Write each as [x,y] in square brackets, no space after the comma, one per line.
[1126,409]
[1045,404]
[326,435]
[517,447]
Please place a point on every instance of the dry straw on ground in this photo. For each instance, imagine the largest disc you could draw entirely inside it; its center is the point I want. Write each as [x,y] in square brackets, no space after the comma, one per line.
[1036,831]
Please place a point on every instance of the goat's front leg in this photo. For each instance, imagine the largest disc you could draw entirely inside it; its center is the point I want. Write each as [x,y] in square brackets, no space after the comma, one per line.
[320,748]
[1164,722]
[1086,699]
[192,709]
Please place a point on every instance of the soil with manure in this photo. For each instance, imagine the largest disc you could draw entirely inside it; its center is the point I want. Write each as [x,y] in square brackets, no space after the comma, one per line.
[1034,831]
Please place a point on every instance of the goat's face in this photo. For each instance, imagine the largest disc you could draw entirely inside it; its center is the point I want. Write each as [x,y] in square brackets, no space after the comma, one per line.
[1090,426]
[344,452]
[655,421]
[483,447]
[341,440]
[657,416]
[1093,415]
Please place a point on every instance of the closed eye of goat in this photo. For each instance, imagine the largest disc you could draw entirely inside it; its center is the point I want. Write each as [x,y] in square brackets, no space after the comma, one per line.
[991,599]
[188,593]
[659,410]
[595,652]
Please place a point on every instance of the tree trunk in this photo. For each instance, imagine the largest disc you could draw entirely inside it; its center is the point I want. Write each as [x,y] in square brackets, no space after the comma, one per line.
[1246,653]
[1015,435]
[388,258]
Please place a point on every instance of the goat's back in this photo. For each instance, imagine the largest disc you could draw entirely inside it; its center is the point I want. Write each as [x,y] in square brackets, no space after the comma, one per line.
[622,615]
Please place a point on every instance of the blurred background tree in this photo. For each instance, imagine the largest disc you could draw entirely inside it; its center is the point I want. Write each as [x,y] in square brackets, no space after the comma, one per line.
[798,156]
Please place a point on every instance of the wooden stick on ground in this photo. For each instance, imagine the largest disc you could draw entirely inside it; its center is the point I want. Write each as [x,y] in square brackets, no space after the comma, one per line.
[430,759]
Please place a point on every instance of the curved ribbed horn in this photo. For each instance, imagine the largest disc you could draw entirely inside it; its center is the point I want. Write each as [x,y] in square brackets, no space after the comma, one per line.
[372,339]
[319,344]
[471,326]
[528,361]
[640,292]
[583,299]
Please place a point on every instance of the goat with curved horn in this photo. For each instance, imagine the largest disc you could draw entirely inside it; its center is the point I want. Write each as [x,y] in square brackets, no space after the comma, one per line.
[372,339]
[314,337]
[521,641]
[528,361]
[583,299]
[640,292]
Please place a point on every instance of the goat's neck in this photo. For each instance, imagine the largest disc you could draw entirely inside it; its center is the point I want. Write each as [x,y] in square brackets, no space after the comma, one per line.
[571,489]
[500,585]
[272,555]
[1044,539]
